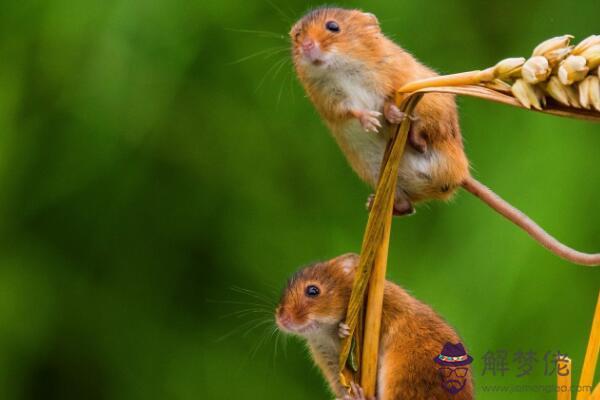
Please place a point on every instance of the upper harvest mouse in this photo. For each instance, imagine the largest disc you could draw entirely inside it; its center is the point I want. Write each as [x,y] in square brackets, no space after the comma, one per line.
[351,71]
[421,356]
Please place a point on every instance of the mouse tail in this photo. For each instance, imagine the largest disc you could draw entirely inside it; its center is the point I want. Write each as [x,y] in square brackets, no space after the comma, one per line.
[528,225]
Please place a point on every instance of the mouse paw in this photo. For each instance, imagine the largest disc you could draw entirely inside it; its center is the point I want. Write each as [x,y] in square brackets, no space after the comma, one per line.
[393,114]
[369,120]
[357,393]
[343,330]
[369,202]
[403,207]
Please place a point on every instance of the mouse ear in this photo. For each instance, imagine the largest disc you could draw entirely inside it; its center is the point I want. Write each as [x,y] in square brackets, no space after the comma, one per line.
[347,262]
[372,17]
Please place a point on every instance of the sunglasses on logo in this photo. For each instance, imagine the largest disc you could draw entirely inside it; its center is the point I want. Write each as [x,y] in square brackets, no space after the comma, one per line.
[459,372]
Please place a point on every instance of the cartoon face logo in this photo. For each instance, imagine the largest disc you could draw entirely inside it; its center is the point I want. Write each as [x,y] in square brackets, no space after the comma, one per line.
[453,367]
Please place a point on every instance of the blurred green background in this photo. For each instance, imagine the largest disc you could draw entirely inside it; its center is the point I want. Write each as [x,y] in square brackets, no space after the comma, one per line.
[149,167]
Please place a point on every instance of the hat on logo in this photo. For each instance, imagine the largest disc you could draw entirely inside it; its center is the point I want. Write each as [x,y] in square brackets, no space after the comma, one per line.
[453,355]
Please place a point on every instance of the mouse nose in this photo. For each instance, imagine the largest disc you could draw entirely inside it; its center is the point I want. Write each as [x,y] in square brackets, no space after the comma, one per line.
[283,318]
[308,44]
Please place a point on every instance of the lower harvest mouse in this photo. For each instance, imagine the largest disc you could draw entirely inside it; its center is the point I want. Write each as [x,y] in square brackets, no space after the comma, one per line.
[421,356]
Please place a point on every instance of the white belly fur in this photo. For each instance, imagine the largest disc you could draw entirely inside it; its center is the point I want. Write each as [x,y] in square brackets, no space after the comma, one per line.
[364,151]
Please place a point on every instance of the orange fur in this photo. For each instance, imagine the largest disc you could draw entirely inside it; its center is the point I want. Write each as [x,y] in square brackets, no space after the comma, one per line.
[412,334]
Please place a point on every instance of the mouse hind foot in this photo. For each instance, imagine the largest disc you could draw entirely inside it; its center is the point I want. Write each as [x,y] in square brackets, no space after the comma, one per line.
[357,393]
[402,206]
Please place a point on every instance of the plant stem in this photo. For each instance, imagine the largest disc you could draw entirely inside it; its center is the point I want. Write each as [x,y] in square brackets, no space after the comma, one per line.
[563,380]
[591,356]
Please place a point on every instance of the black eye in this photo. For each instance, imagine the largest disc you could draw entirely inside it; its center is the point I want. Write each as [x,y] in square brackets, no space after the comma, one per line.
[312,291]
[332,26]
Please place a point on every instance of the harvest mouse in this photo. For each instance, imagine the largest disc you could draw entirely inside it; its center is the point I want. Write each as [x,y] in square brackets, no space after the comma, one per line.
[414,344]
[351,71]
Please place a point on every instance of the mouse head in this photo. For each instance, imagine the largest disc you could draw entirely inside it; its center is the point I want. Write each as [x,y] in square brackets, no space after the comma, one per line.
[329,38]
[316,297]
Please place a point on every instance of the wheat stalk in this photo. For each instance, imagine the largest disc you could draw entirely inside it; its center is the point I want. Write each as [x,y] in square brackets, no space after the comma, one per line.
[557,79]
[563,380]
[591,359]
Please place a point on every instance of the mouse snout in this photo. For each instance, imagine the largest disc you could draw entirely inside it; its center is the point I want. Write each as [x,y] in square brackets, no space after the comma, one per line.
[283,317]
[308,44]
[310,50]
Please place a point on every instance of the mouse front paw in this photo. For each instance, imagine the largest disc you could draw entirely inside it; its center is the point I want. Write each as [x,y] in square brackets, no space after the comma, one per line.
[343,330]
[369,202]
[393,114]
[369,120]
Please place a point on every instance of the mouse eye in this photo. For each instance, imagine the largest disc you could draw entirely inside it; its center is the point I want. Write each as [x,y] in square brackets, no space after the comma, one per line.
[332,26]
[312,291]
